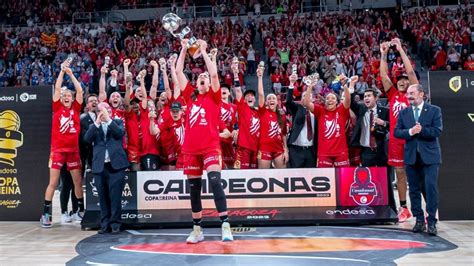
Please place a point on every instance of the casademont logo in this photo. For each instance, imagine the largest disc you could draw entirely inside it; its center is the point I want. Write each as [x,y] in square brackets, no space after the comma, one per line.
[10,136]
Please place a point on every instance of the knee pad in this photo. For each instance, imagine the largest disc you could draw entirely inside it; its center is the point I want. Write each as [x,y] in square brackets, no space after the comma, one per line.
[217,191]
[195,186]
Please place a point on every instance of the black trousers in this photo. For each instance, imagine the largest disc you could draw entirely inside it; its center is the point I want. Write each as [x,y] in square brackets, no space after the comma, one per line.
[373,157]
[110,184]
[301,157]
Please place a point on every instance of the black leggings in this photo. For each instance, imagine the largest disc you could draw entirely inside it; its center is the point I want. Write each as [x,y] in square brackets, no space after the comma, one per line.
[66,191]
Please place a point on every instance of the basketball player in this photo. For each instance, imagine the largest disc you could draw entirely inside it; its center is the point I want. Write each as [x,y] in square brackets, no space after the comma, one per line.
[397,102]
[201,147]
[65,131]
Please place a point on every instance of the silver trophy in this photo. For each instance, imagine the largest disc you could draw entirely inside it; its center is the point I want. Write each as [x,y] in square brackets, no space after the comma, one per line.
[294,69]
[162,63]
[313,78]
[171,23]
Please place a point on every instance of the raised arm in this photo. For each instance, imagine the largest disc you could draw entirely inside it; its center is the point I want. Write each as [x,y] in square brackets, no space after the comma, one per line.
[183,80]
[174,77]
[166,81]
[387,83]
[77,86]
[347,92]
[102,93]
[142,88]
[308,96]
[58,84]
[211,66]
[128,85]
[261,93]
[237,87]
[154,82]
[406,62]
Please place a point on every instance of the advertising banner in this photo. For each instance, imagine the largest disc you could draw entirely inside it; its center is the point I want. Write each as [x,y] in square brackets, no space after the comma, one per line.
[25,136]
[453,92]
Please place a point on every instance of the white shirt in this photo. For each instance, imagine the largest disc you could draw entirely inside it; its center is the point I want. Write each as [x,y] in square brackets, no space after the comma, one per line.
[104,126]
[365,130]
[302,139]
[92,115]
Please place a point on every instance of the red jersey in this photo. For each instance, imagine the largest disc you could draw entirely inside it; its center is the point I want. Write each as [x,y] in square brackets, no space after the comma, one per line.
[331,130]
[397,102]
[149,143]
[228,111]
[65,127]
[202,122]
[134,131]
[271,134]
[171,136]
[249,126]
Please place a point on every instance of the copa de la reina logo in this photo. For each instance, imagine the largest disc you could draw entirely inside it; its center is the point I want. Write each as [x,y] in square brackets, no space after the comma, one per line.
[363,191]
[10,136]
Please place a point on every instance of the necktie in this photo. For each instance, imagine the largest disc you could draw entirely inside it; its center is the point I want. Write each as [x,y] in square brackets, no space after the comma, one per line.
[372,142]
[417,114]
[309,126]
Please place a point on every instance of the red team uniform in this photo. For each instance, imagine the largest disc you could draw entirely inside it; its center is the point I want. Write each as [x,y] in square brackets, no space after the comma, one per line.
[65,130]
[149,144]
[332,143]
[249,133]
[134,136]
[398,102]
[270,144]
[228,117]
[201,147]
[171,137]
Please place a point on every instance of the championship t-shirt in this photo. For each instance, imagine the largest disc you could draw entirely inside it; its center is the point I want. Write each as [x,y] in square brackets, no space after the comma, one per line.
[149,143]
[398,102]
[331,130]
[65,127]
[171,136]
[228,112]
[134,131]
[249,126]
[271,134]
[202,122]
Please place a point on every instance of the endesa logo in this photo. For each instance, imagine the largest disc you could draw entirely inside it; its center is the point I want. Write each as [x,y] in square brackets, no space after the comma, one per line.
[350,212]
[363,190]
[127,215]
[251,187]
[7,98]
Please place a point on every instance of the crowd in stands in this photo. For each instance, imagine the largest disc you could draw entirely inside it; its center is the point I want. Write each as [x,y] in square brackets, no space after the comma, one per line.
[347,44]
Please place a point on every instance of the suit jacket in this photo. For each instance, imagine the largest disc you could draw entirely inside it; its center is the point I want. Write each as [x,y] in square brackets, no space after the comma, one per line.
[380,132]
[426,142]
[113,142]
[298,114]
[85,148]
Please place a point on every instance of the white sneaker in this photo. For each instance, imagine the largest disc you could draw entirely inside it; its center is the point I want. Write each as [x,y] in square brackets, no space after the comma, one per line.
[196,235]
[45,221]
[226,232]
[76,216]
[65,218]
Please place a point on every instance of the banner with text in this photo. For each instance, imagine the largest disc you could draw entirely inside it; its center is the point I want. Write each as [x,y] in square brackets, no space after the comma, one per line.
[25,136]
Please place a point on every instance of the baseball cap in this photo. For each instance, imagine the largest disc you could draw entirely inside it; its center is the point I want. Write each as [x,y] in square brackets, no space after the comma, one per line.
[249,91]
[175,106]
[402,76]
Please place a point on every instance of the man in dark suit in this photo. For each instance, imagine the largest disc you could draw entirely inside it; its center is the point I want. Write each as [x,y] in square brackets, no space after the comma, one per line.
[302,138]
[87,119]
[108,166]
[370,130]
[421,125]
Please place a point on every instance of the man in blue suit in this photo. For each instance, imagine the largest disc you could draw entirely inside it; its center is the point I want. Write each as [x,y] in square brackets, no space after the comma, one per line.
[109,162]
[421,125]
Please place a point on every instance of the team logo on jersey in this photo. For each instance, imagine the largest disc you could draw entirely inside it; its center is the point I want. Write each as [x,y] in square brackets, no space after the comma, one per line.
[254,125]
[363,191]
[197,113]
[66,123]
[332,128]
[179,132]
[274,129]
[397,107]
[226,115]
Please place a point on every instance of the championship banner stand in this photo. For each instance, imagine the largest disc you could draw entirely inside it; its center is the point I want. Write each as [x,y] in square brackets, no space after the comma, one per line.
[255,197]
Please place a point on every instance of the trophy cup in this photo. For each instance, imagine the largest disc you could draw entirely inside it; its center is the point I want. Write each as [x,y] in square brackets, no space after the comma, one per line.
[313,78]
[294,69]
[171,23]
